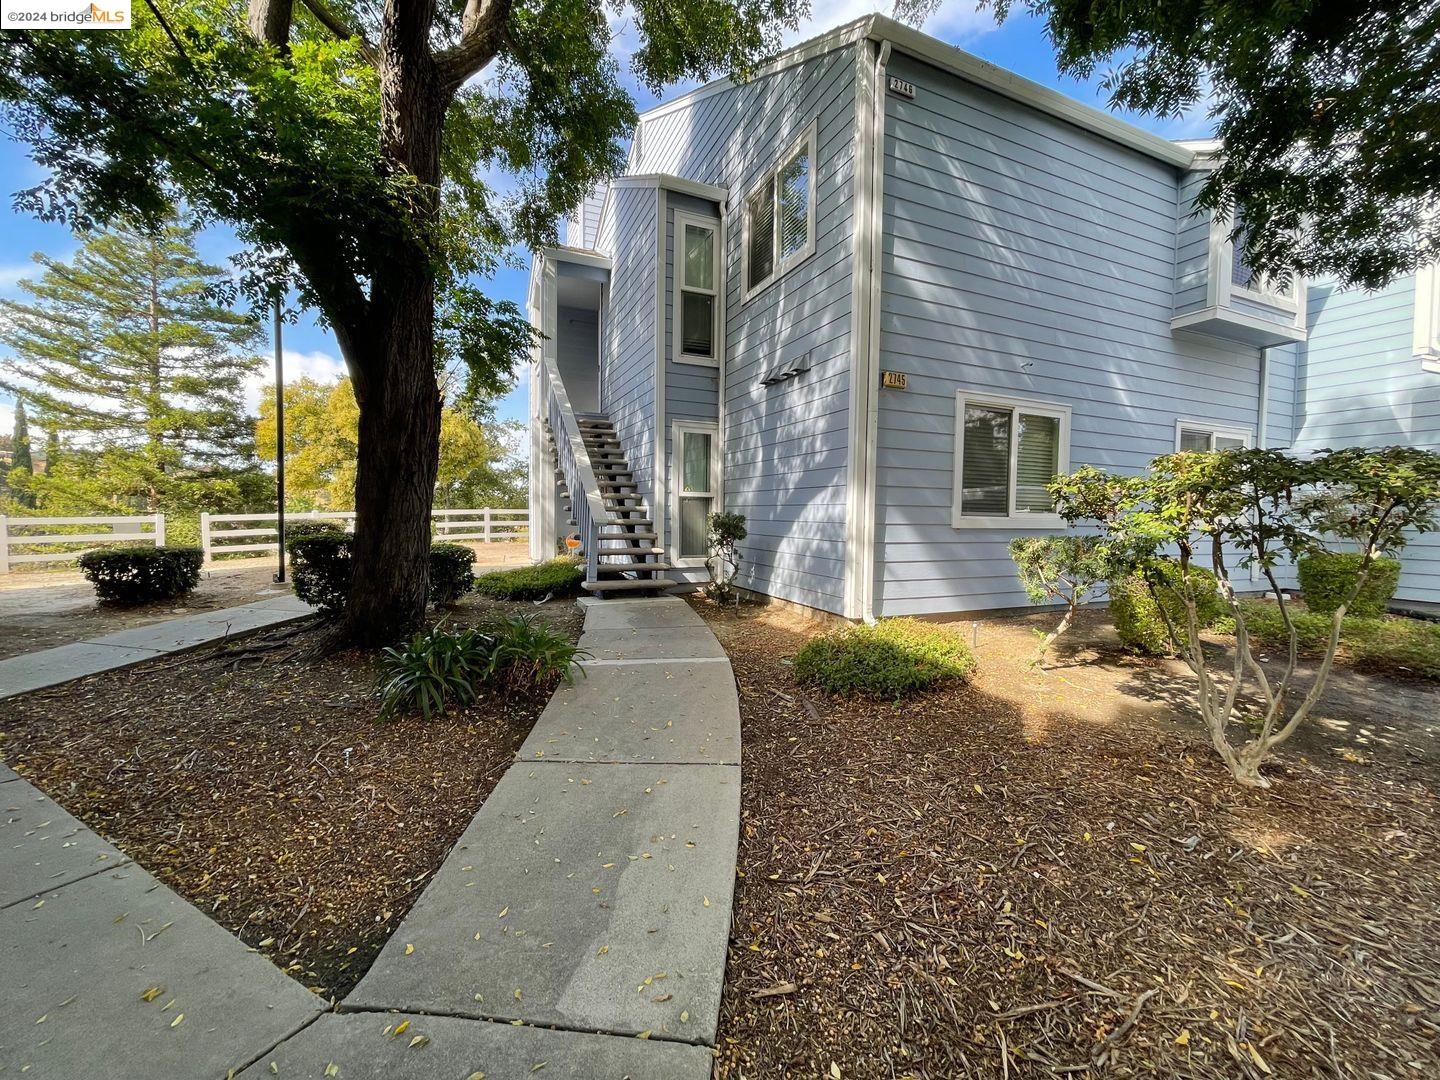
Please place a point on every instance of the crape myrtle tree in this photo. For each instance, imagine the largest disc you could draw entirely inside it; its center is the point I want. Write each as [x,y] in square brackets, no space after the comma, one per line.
[1327,112]
[1233,509]
[355,149]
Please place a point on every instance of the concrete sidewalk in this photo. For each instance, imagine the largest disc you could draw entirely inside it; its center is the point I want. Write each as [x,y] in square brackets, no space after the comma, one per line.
[578,927]
[125,648]
[591,893]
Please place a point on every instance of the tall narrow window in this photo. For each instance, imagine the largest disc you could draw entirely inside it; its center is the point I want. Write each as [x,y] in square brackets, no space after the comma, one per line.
[1006,455]
[780,215]
[697,467]
[697,287]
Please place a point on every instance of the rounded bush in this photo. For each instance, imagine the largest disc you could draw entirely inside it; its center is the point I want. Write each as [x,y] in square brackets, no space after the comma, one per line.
[558,577]
[304,529]
[884,660]
[1326,578]
[320,569]
[141,574]
[1138,620]
[452,572]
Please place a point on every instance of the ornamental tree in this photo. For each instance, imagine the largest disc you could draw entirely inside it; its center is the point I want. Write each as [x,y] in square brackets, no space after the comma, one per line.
[1235,509]
[1065,569]
[359,156]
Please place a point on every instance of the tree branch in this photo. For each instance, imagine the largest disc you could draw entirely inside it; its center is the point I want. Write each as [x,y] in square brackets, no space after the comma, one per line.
[339,27]
[269,22]
[482,29]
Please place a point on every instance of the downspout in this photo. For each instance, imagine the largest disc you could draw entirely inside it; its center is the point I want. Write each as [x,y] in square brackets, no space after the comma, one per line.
[872,366]
[1261,433]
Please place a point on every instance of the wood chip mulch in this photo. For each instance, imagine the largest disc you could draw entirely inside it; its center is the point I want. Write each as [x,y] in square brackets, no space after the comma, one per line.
[255,780]
[966,885]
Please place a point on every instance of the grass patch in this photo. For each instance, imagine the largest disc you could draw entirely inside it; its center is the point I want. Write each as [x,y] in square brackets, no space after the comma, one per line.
[1391,643]
[558,577]
[888,659]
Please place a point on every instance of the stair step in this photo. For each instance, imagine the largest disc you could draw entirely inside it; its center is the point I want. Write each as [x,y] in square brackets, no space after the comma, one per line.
[625,523]
[640,535]
[596,425]
[631,567]
[630,585]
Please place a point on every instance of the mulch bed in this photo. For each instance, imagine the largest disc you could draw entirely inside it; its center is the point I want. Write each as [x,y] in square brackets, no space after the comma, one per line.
[974,884]
[258,783]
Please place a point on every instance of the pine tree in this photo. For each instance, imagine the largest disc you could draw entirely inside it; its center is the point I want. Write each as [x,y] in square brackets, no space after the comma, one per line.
[20,457]
[130,346]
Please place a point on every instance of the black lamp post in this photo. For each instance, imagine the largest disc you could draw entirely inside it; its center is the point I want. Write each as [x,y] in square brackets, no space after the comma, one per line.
[279,443]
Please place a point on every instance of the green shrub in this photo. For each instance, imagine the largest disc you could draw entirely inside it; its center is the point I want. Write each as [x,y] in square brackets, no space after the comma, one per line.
[140,573]
[433,669]
[442,667]
[558,577]
[1138,620]
[1327,577]
[528,653]
[885,660]
[320,569]
[305,529]
[452,572]
[1390,643]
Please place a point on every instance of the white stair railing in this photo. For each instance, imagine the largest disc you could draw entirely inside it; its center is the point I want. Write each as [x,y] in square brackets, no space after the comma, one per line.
[586,506]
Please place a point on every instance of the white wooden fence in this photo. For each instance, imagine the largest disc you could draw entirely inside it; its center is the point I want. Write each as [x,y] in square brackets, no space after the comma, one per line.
[224,534]
[26,533]
[220,534]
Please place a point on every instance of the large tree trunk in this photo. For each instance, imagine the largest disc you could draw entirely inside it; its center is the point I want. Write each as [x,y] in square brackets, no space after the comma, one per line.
[399,399]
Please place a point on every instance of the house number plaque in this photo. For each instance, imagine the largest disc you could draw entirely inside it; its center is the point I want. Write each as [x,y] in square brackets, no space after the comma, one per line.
[892,380]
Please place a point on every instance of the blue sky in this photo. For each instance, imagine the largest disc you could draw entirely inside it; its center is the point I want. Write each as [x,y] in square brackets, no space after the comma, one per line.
[1019,45]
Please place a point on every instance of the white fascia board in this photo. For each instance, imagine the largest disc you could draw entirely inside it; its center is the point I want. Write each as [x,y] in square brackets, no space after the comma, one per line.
[712,192]
[971,68]
[577,255]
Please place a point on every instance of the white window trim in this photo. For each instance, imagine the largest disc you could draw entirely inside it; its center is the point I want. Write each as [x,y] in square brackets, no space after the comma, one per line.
[1427,317]
[678,288]
[677,463]
[1222,272]
[809,140]
[1015,520]
[1214,430]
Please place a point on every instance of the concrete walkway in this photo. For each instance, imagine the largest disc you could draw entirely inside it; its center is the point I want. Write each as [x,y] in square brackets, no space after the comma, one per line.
[578,927]
[65,663]
[580,923]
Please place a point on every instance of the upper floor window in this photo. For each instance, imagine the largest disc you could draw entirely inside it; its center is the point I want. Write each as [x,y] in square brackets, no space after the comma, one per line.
[1246,278]
[697,298]
[779,216]
[1006,453]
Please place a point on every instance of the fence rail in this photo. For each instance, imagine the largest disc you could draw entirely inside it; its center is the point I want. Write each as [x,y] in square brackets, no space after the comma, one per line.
[17,538]
[221,534]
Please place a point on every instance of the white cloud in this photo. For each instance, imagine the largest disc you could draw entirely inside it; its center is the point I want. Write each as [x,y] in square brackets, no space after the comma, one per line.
[318,365]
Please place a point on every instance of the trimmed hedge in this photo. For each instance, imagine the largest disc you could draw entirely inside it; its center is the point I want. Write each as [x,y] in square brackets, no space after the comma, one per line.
[1326,577]
[1391,643]
[452,572]
[1138,620]
[140,573]
[320,569]
[887,659]
[558,577]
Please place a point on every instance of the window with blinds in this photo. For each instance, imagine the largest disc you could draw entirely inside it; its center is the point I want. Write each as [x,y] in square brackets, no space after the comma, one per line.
[697,301]
[1202,438]
[779,221]
[1007,454]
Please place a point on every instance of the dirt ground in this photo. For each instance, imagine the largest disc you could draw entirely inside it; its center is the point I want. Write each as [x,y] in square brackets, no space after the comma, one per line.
[42,609]
[1049,873]
[256,781]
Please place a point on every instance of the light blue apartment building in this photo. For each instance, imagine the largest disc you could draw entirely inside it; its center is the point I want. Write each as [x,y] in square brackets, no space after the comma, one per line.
[874,298]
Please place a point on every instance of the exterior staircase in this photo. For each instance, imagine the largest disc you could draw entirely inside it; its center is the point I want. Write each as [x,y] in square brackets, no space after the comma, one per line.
[630,561]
